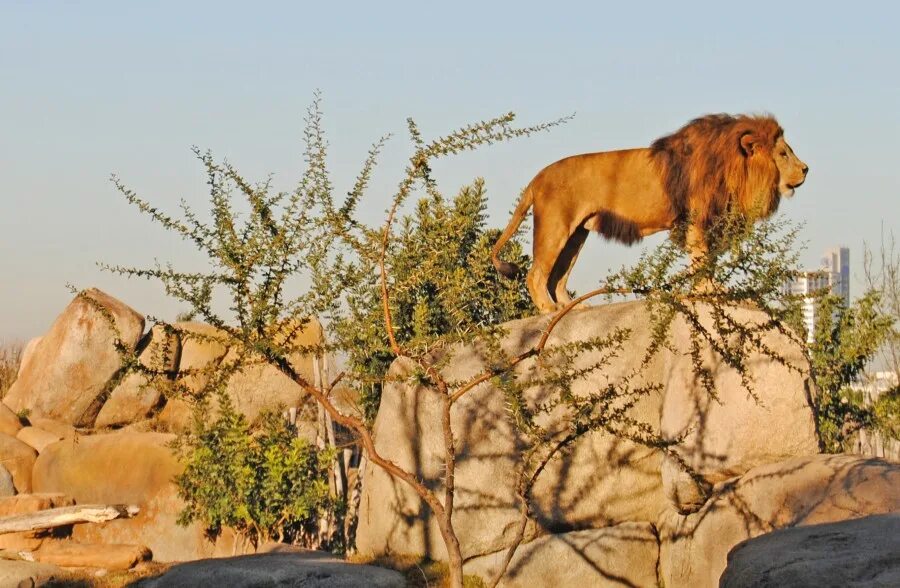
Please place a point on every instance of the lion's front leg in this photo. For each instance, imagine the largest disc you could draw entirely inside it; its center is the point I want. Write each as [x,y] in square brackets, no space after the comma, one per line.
[698,250]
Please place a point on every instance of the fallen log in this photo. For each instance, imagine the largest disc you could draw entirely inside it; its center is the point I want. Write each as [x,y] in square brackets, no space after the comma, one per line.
[65,515]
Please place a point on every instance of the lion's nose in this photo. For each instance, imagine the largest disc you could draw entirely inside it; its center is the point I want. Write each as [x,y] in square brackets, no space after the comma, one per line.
[805,169]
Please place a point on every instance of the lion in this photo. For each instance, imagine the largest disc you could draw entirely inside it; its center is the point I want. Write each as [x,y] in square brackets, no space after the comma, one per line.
[713,164]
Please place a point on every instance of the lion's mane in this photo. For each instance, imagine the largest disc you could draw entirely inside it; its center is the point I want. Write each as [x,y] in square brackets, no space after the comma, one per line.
[705,173]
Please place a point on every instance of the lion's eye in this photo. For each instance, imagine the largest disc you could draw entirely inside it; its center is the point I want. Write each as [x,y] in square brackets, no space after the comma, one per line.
[784,154]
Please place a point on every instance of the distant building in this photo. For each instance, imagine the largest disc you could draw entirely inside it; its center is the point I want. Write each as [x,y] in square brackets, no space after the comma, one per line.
[873,385]
[833,276]
[836,262]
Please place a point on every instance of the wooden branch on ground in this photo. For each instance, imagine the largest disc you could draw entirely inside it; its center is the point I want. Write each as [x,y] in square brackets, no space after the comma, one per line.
[65,515]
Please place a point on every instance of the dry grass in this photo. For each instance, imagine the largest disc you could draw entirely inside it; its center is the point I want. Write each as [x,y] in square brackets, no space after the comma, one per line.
[120,579]
[419,573]
[10,358]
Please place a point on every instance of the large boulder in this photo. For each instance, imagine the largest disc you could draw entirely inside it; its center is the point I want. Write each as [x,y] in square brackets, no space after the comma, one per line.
[124,468]
[202,349]
[312,569]
[799,491]
[256,387]
[37,438]
[858,553]
[18,459]
[134,398]
[59,428]
[68,374]
[726,436]
[623,555]
[261,386]
[601,479]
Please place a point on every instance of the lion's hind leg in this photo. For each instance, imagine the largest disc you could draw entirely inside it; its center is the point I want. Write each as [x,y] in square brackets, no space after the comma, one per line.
[564,265]
[548,248]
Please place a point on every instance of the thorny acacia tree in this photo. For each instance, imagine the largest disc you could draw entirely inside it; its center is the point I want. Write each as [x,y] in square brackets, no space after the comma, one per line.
[256,252]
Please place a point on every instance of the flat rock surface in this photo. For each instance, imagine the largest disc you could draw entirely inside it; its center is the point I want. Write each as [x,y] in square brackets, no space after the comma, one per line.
[848,554]
[311,569]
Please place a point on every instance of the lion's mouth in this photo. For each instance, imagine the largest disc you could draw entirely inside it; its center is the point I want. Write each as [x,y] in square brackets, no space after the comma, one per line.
[789,188]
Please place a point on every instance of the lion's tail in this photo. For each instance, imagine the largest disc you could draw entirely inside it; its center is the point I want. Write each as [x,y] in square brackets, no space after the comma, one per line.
[510,270]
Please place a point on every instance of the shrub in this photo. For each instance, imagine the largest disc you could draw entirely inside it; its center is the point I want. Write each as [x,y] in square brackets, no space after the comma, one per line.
[264,482]
[845,340]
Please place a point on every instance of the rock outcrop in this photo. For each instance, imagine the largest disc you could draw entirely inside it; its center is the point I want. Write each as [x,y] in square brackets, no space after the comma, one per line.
[602,480]
[608,511]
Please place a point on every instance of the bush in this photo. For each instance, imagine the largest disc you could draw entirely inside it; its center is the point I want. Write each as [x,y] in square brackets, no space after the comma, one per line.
[264,482]
[845,340]
[886,414]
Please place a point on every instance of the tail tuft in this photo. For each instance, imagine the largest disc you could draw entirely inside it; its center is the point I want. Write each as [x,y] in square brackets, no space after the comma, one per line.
[506,269]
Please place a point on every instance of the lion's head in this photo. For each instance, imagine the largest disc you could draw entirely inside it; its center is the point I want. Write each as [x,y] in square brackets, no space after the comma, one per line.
[718,161]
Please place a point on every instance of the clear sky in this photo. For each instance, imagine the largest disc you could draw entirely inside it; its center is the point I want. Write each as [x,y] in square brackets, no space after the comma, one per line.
[91,88]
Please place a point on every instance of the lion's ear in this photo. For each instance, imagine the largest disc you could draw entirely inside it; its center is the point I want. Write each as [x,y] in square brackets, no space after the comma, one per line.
[748,143]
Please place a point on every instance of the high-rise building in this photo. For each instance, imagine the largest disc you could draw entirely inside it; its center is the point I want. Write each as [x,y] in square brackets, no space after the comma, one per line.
[833,276]
[836,261]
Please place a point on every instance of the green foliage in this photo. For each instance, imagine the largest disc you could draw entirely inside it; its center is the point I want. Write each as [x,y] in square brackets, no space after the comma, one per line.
[886,413]
[444,286]
[845,340]
[263,482]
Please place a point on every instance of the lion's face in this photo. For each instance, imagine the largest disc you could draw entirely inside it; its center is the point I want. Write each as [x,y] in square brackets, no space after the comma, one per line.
[791,171]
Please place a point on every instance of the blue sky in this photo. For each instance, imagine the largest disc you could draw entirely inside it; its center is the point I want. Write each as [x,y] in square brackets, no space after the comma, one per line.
[92,88]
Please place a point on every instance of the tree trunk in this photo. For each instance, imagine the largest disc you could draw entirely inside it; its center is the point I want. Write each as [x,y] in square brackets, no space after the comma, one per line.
[454,555]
